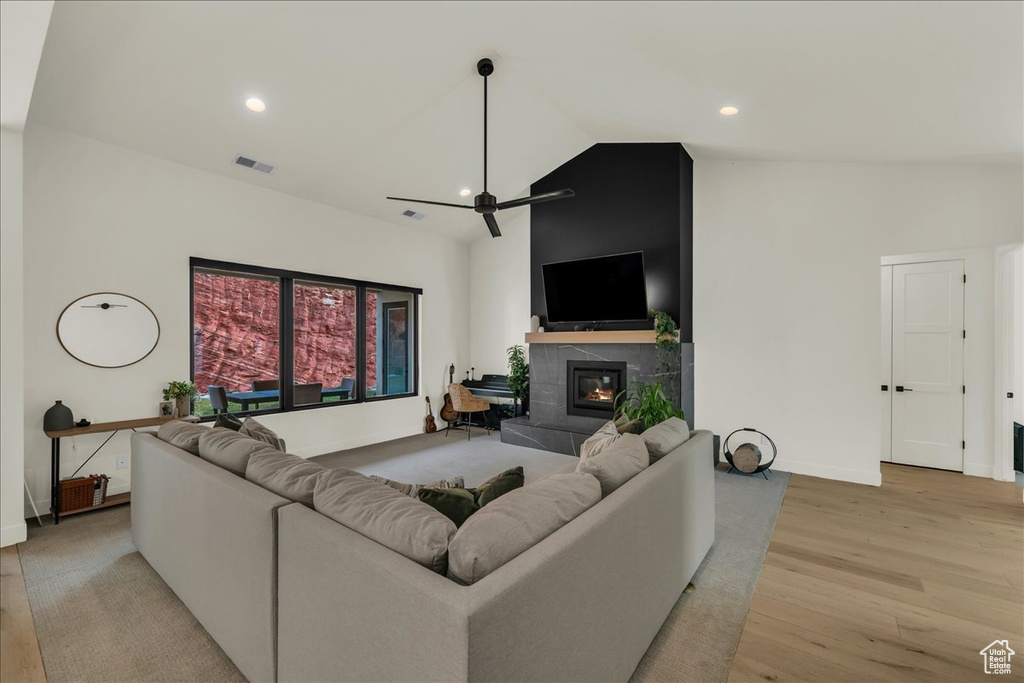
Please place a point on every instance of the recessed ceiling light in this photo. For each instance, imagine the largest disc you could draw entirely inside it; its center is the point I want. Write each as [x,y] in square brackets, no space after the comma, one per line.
[728,111]
[465,192]
[255,104]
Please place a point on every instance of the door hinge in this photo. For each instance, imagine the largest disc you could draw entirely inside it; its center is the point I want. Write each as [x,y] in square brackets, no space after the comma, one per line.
[965,278]
[963,445]
[965,334]
[964,387]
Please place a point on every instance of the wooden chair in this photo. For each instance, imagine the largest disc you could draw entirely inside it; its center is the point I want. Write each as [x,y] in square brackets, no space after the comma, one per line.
[306,394]
[266,385]
[465,403]
[218,399]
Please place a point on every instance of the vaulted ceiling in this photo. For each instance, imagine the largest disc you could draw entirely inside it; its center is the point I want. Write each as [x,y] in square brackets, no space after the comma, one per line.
[373,98]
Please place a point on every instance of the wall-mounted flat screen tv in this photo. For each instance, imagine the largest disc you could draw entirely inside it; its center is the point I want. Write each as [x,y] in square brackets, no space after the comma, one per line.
[601,289]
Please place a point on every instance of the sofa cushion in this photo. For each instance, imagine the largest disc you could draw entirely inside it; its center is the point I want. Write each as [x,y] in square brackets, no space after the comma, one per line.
[499,485]
[261,432]
[184,435]
[412,489]
[516,522]
[229,449]
[602,439]
[386,516]
[286,475]
[618,463]
[665,437]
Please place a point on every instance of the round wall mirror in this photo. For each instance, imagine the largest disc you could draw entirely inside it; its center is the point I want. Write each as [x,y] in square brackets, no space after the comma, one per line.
[108,330]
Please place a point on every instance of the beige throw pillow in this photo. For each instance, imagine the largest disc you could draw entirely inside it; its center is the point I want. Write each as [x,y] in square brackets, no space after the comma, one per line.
[508,526]
[260,432]
[665,437]
[412,490]
[229,449]
[602,439]
[618,463]
[382,514]
[286,475]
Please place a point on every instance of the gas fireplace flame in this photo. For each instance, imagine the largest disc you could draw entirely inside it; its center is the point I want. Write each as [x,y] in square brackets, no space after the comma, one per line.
[600,395]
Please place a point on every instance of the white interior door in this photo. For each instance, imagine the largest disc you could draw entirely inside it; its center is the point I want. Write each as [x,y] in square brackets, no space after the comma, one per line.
[928,364]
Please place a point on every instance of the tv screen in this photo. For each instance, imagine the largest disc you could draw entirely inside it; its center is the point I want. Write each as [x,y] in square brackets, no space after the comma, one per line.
[606,288]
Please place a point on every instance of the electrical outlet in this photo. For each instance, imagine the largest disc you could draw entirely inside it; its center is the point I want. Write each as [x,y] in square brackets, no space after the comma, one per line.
[122,462]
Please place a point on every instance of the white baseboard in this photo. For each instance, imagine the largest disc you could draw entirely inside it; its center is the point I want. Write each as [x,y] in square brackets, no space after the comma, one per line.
[354,443]
[15,533]
[826,472]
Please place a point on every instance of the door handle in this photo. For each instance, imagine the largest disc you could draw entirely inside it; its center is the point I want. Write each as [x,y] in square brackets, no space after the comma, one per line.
[901,389]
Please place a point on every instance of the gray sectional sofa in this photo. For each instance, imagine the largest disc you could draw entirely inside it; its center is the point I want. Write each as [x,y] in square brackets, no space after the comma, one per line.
[291,595]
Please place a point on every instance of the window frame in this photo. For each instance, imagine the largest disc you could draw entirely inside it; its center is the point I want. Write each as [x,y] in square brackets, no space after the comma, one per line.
[286,330]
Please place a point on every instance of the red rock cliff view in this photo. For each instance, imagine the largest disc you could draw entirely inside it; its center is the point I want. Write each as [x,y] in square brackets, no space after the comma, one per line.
[236,337]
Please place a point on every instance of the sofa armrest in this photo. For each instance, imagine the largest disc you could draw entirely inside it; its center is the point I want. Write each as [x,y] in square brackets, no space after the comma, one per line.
[211,536]
[352,610]
[586,602]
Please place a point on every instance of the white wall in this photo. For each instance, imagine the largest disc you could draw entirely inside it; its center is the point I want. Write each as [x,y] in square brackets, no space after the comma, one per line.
[499,273]
[102,218]
[12,412]
[786,294]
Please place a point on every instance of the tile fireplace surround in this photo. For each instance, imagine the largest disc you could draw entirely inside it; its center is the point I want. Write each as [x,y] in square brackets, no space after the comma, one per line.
[549,426]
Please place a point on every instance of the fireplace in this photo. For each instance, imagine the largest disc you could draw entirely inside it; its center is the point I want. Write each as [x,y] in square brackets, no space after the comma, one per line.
[591,387]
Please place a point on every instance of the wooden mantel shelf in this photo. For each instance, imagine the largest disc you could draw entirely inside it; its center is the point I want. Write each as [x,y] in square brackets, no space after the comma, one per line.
[596,337]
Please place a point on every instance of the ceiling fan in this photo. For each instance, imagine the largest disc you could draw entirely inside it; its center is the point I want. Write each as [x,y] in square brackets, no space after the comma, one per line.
[486,203]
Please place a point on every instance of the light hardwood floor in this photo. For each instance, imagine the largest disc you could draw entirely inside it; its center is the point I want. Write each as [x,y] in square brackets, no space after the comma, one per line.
[905,582]
[19,652]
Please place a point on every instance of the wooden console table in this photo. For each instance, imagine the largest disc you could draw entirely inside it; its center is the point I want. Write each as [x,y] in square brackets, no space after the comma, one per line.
[98,428]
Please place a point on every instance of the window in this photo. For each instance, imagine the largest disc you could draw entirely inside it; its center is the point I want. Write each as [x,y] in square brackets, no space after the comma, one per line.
[268,340]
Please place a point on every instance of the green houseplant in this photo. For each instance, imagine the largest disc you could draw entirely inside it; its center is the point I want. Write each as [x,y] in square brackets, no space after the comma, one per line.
[518,376]
[666,343]
[647,403]
[181,393]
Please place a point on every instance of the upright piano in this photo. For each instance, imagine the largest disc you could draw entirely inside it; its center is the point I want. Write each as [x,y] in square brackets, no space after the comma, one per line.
[489,385]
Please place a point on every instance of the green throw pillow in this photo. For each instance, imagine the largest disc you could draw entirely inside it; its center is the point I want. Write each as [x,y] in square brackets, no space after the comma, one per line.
[455,504]
[498,486]
[228,421]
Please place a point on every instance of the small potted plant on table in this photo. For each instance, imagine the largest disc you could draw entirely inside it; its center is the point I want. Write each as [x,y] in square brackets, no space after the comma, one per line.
[519,378]
[181,393]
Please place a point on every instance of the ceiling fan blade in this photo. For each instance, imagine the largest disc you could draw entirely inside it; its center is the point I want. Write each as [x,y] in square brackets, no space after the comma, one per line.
[424,201]
[536,199]
[492,225]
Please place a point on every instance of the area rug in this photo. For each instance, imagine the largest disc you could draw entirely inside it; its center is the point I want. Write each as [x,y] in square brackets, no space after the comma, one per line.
[102,614]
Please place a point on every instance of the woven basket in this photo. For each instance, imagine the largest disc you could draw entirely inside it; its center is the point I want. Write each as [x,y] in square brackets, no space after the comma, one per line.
[77,493]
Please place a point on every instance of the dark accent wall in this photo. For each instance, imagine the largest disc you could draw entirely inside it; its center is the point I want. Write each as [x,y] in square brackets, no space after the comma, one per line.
[629,197]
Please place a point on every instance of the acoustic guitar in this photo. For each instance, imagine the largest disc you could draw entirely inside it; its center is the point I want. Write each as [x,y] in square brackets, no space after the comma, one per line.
[448,412]
[429,425]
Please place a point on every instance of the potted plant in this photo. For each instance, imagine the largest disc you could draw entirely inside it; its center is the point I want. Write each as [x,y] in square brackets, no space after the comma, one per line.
[518,377]
[181,393]
[647,403]
[666,341]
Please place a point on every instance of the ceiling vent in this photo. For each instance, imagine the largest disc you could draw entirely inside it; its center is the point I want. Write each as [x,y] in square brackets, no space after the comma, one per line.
[415,215]
[254,165]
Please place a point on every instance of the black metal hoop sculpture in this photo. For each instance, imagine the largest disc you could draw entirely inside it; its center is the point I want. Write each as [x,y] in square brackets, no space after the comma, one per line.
[762,467]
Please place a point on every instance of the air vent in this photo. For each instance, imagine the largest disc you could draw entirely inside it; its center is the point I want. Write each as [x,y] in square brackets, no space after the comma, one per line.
[254,165]
[415,215]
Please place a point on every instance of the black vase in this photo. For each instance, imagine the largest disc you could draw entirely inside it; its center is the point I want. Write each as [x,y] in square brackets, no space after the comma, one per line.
[58,417]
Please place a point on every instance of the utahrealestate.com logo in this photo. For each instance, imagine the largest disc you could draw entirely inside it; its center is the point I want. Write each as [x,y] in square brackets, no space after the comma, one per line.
[997,657]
